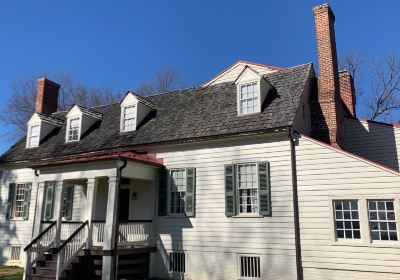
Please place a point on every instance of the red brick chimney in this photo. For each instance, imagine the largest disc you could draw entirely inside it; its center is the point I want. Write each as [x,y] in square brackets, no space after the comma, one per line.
[46,97]
[328,124]
[347,92]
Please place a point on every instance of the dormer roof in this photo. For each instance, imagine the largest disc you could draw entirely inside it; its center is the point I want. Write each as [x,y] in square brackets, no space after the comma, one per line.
[47,119]
[232,72]
[141,99]
[85,111]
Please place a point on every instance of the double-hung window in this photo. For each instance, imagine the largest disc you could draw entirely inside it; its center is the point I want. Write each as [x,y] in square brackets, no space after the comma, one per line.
[73,130]
[19,200]
[248,98]
[382,220]
[177,191]
[247,185]
[129,118]
[34,136]
[347,219]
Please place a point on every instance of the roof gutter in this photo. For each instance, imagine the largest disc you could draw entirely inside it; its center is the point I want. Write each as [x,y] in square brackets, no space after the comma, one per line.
[293,138]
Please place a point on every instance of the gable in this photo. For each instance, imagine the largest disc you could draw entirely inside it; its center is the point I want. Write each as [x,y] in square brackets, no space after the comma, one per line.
[231,73]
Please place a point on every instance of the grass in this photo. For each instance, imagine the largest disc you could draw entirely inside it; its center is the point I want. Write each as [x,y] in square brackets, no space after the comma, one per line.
[10,272]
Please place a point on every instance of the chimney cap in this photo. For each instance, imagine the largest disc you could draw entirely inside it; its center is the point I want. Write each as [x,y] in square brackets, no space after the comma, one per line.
[323,8]
[49,82]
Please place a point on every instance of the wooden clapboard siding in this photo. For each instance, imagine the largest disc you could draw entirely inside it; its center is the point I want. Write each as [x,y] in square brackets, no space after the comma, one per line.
[302,120]
[324,174]
[377,142]
[211,240]
[15,232]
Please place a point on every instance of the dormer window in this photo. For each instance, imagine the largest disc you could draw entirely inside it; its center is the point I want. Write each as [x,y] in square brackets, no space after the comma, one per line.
[134,109]
[34,134]
[249,98]
[39,127]
[252,89]
[129,118]
[73,130]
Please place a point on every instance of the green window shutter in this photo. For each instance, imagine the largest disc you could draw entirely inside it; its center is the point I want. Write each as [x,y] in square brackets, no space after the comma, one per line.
[69,198]
[264,188]
[190,195]
[230,190]
[27,200]
[10,203]
[48,207]
[162,192]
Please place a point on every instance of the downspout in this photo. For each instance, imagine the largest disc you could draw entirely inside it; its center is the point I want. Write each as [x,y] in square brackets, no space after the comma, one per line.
[299,266]
[115,255]
[37,173]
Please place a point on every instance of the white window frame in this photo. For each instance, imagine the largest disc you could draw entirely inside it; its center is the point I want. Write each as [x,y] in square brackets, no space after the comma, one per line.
[14,210]
[68,132]
[28,140]
[257,96]
[122,124]
[347,220]
[11,254]
[257,214]
[238,265]
[378,220]
[366,236]
[170,191]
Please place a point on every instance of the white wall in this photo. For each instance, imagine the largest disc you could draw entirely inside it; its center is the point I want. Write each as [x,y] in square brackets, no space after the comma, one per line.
[15,232]
[325,174]
[143,207]
[211,240]
[376,142]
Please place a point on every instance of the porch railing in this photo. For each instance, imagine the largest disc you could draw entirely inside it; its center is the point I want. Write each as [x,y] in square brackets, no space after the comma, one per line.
[40,245]
[70,247]
[132,232]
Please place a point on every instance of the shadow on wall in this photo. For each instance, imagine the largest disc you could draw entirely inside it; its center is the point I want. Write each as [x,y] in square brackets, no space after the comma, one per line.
[374,141]
[172,227]
[7,228]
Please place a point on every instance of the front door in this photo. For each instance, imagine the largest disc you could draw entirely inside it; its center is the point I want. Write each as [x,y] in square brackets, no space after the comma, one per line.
[124,195]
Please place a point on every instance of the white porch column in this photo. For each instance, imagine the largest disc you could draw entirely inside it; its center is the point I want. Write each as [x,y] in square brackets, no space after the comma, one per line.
[110,230]
[39,208]
[58,209]
[90,207]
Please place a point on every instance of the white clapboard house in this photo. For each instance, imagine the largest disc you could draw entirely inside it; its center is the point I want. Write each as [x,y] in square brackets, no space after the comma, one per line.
[260,173]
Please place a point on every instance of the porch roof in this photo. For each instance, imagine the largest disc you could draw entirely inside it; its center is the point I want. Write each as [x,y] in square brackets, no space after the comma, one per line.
[100,156]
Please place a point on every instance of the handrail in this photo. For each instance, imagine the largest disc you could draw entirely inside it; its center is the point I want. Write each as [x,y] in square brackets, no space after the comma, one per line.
[39,236]
[71,236]
[126,221]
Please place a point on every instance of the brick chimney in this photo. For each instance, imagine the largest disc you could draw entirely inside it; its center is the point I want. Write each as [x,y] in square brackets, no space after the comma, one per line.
[347,92]
[46,96]
[328,122]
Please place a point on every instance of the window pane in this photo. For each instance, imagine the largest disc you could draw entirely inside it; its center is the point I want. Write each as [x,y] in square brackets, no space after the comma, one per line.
[73,133]
[248,98]
[129,118]
[347,219]
[178,189]
[248,188]
[381,228]
[19,201]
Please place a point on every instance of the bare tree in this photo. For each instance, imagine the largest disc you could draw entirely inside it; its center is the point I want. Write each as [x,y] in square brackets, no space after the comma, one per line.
[384,97]
[380,80]
[353,62]
[19,107]
[167,79]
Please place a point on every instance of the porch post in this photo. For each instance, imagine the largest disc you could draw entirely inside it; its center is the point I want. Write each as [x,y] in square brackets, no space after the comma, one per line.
[109,249]
[39,208]
[58,209]
[90,207]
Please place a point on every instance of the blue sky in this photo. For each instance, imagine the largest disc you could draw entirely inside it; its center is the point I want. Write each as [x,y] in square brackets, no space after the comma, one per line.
[119,44]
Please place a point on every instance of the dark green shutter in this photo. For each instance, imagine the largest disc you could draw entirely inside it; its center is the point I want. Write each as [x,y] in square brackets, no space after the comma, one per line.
[190,195]
[69,198]
[162,192]
[264,188]
[27,200]
[10,203]
[48,207]
[230,190]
